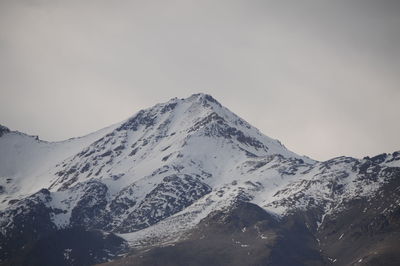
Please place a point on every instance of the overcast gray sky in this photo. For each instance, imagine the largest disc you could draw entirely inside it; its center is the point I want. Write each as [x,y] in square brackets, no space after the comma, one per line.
[321,76]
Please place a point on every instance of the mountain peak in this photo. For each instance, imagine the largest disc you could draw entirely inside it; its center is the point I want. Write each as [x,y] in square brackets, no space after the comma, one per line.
[203,97]
[203,118]
[185,110]
[178,165]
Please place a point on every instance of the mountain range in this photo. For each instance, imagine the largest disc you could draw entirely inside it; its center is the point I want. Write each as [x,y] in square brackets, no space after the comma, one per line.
[188,182]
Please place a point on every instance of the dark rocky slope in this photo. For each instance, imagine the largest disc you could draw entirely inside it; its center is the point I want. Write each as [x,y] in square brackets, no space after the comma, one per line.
[365,231]
[75,246]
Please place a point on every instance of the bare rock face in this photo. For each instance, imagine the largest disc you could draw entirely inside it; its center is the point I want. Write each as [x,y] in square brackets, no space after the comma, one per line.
[170,196]
[3,130]
[25,221]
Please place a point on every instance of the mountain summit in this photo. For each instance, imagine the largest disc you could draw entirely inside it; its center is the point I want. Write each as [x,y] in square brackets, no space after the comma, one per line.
[177,170]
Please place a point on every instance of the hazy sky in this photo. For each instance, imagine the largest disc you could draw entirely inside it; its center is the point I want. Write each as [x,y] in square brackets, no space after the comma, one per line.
[323,77]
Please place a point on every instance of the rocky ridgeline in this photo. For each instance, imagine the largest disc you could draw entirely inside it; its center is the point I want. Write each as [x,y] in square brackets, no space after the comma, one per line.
[192,172]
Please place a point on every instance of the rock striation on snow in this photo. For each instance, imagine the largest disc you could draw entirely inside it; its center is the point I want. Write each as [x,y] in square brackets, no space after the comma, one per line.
[157,174]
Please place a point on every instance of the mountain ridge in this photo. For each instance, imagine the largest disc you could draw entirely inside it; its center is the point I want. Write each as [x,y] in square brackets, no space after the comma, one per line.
[154,177]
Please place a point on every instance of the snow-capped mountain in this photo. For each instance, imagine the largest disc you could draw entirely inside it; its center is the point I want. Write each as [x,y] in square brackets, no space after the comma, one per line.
[159,175]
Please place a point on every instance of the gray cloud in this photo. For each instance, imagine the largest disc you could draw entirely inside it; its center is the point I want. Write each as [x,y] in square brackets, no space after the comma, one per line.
[321,76]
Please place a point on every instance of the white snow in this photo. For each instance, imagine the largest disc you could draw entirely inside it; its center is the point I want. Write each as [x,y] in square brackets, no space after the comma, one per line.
[27,162]
[188,139]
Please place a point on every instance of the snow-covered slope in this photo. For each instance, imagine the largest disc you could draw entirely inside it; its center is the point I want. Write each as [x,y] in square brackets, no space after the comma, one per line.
[26,161]
[167,167]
